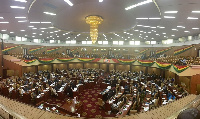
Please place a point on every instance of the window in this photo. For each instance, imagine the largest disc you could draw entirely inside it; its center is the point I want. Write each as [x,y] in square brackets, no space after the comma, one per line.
[115,42]
[105,42]
[18,38]
[100,42]
[51,41]
[153,42]
[84,42]
[132,42]
[121,42]
[137,42]
[35,40]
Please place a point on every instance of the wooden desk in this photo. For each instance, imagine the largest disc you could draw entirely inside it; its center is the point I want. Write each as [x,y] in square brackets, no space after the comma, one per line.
[125,108]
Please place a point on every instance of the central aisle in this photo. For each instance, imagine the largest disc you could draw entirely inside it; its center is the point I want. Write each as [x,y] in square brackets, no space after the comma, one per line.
[89,97]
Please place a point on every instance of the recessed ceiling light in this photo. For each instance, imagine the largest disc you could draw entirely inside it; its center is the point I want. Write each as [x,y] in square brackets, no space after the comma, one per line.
[51,27]
[162,27]
[40,34]
[136,30]
[163,33]
[4,22]
[141,18]
[34,33]
[173,35]
[192,18]
[154,18]
[33,36]
[49,13]
[146,26]
[153,27]
[186,31]
[174,30]
[42,31]
[22,30]
[180,26]
[11,32]
[17,7]
[34,28]
[21,1]
[20,17]
[171,11]
[139,25]
[157,34]
[34,22]
[23,21]
[195,11]
[43,28]
[1,18]
[45,22]
[100,0]
[31,26]
[138,4]
[195,28]
[169,17]
[69,2]
[3,30]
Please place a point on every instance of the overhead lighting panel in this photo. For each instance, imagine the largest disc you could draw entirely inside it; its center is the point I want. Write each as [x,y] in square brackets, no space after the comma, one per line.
[1,18]
[169,17]
[23,21]
[195,11]
[141,18]
[21,1]
[154,18]
[138,4]
[192,18]
[100,0]
[69,2]
[17,7]
[20,17]
[49,13]
[171,11]
[4,22]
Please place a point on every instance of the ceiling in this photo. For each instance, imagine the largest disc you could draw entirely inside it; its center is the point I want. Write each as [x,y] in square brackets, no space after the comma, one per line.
[119,24]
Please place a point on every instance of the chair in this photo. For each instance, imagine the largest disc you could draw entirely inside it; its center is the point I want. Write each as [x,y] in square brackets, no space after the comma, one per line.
[101,103]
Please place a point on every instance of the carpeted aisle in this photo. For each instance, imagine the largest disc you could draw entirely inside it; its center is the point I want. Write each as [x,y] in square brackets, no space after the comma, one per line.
[89,97]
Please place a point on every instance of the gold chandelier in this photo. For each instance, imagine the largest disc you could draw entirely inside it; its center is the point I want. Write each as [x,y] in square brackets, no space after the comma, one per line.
[94,21]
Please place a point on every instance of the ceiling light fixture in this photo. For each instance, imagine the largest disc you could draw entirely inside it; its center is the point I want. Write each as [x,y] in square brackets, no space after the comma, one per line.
[169,17]
[45,22]
[141,18]
[21,1]
[69,2]
[195,11]
[180,26]
[138,4]
[49,13]
[34,22]
[23,21]
[192,18]
[20,17]
[171,11]
[100,0]
[154,18]
[1,18]
[94,21]
[195,28]
[17,7]
[4,22]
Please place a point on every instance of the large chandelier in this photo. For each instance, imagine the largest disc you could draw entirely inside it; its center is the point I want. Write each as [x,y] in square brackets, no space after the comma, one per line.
[94,21]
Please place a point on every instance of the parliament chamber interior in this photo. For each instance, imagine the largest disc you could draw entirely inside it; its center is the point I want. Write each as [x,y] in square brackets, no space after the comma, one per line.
[126,59]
